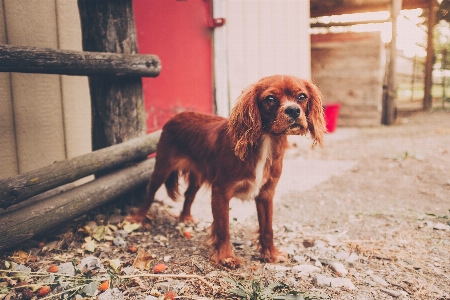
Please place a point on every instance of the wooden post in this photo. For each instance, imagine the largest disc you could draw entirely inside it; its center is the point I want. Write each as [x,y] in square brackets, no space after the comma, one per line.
[117,107]
[427,98]
[389,106]
[117,104]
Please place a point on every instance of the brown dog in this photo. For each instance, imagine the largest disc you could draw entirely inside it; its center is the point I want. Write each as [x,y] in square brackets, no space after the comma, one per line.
[239,157]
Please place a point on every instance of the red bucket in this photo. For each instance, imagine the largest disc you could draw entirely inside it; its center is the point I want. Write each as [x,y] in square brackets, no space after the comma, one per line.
[331,115]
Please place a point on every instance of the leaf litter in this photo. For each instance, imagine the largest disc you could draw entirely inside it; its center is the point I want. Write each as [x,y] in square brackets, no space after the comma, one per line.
[371,252]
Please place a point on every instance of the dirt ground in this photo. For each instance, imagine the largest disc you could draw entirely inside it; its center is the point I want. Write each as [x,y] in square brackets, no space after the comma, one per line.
[378,230]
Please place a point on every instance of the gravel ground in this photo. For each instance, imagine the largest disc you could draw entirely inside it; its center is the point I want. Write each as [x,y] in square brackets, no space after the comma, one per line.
[377,229]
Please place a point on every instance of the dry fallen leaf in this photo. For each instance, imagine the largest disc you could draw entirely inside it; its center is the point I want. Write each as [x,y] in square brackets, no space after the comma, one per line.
[143,260]
[19,257]
[115,264]
[99,233]
[89,244]
[130,227]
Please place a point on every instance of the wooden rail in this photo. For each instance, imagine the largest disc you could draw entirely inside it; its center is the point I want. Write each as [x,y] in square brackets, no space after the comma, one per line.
[21,187]
[66,62]
[20,225]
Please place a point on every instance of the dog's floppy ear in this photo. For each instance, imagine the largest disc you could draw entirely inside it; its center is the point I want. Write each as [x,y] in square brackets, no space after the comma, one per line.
[244,125]
[315,114]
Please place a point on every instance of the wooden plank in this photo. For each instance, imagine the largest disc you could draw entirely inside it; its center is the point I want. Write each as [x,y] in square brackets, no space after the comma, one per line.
[331,7]
[39,217]
[68,62]
[18,188]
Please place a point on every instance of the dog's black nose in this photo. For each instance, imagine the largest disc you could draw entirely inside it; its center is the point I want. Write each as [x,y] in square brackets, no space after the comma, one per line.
[292,111]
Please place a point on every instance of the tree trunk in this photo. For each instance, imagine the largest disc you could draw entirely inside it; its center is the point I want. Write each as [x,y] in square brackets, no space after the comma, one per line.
[117,106]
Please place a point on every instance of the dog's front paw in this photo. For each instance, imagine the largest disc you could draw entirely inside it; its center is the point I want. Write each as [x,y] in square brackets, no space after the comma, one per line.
[188,219]
[227,259]
[274,256]
[231,262]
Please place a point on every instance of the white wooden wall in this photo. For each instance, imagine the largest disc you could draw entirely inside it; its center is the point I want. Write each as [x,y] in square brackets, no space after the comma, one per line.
[43,118]
[260,38]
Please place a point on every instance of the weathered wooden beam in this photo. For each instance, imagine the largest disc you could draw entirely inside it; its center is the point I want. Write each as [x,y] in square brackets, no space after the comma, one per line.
[345,24]
[428,81]
[320,8]
[37,218]
[388,105]
[18,188]
[67,62]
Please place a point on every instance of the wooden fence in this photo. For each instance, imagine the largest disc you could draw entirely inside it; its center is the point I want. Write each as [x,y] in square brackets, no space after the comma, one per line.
[39,200]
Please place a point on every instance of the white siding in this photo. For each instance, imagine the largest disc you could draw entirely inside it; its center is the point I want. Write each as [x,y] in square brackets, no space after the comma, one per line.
[264,37]
[76,101]
[44,118]
[8,158]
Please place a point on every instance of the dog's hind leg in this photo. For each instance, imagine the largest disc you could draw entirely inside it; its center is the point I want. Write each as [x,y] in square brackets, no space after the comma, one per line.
[160,174]
[194,185]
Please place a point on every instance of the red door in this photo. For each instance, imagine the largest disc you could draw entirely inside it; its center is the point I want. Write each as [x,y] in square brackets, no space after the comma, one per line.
[177,31]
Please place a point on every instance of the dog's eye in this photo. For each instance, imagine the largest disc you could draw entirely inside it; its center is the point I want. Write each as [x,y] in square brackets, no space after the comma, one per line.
[270,100]
[302,97]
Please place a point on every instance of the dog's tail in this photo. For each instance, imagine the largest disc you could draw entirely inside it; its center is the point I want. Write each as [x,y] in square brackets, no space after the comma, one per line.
[172,185]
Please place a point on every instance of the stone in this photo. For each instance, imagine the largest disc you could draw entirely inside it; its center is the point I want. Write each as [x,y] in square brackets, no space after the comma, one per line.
[291,249]
[334,282]
[441,226]
[308,243]
[121,233]
[342,255]
[338,268]
[352,258]
[305,270]
[289,228]
[119,242]
[291,281]
[320,243]
[392,293]
[298,258]
[278,268]
[165,286]
[90,263]
[379,280]
[111,294]
[66,269]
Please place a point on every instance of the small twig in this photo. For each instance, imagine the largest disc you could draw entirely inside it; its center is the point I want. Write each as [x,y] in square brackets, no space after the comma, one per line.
[65,291]
[169,276]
